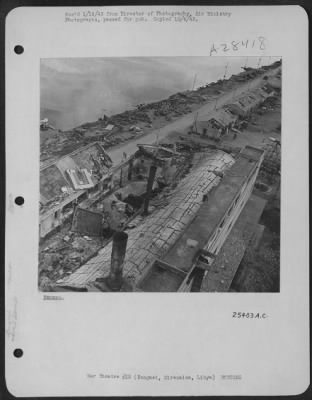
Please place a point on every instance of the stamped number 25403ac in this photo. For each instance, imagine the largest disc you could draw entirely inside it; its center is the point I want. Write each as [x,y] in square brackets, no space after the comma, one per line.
[237,314]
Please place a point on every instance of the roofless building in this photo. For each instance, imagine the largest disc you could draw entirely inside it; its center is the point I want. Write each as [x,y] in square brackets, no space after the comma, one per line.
[176,246]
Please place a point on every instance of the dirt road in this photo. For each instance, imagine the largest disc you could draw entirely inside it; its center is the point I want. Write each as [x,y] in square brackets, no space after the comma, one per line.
[116,153]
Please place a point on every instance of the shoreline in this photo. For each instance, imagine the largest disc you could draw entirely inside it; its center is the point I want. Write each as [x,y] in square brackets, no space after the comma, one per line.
[149,118]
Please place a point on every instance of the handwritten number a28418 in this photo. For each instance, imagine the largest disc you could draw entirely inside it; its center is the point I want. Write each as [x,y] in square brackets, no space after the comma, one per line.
[258,43]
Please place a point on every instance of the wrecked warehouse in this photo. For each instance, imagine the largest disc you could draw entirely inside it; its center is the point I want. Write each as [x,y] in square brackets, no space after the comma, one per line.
[166,239]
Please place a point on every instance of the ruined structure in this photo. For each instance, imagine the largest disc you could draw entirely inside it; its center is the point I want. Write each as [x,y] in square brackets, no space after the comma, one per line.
[217,124]
[165,250]
[248,102]
[70,180]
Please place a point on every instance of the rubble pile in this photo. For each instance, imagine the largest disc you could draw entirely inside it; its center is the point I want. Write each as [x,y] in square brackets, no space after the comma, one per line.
[64,253]
[130,117]
[271,103]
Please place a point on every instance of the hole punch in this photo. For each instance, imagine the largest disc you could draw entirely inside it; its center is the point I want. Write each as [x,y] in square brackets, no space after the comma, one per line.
[18,353]
[19,200]
[19,49]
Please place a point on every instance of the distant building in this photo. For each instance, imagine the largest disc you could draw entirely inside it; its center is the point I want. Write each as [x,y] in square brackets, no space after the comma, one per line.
[248,102]
[217,124]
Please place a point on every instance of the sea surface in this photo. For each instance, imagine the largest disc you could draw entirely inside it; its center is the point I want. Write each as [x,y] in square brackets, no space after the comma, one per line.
[78,90]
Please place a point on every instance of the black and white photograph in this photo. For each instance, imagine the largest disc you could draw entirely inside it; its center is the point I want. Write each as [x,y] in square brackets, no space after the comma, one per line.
[157,207]
[160,174]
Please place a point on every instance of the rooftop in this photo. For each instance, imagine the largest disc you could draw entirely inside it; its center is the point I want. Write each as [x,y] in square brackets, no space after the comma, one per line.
[224,117]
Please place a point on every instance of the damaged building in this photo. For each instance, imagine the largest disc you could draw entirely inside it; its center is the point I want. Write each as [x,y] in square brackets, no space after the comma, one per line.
[93,217]
[233,116]
[219,123]
[129,186]
[248,102]
[70,180]
[173,248]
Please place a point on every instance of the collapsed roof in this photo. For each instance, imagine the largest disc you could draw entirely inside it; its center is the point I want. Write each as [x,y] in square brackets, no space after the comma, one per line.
[76,171]
[161,229]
